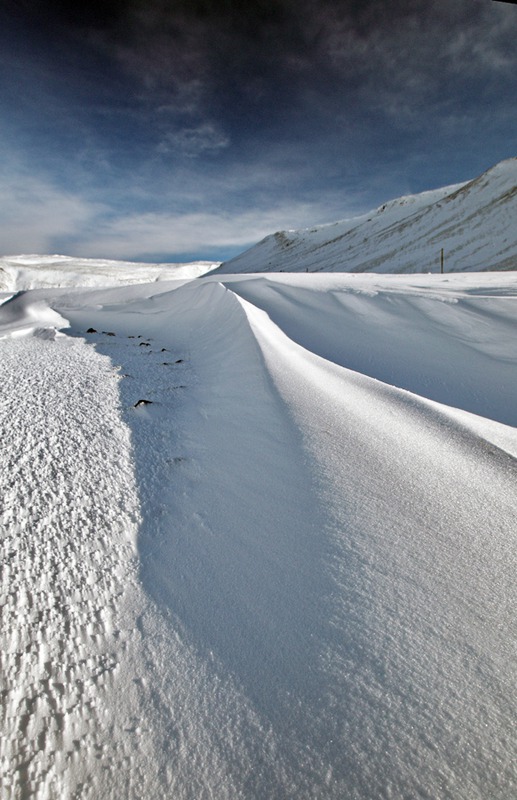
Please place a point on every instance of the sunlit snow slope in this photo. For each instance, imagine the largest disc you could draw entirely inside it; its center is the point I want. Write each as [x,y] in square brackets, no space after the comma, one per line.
[475,223]
[290,572]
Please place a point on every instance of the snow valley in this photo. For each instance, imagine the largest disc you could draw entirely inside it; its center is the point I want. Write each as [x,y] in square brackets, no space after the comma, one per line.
[258,537]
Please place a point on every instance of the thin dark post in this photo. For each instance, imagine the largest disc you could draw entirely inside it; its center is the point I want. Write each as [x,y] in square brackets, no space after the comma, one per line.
[441,261]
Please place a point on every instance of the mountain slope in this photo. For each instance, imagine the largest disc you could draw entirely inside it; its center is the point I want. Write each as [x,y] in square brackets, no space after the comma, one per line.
[475,223]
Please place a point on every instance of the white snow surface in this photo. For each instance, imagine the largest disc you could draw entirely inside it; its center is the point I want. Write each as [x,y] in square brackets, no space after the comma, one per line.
[19,273]
[291,572]
[475,223]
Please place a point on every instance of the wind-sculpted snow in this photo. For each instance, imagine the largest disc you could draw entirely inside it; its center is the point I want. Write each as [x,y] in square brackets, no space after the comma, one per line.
[68,520]
[295,560]
[452,339]
[21,315]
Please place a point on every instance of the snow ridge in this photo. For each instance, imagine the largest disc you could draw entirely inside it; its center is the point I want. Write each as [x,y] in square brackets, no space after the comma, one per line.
[401,483]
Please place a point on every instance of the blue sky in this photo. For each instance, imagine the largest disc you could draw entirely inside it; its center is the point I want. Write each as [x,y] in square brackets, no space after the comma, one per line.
[158,130]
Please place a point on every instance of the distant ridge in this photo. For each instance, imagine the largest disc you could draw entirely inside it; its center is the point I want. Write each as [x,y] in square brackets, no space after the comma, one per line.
[474,222]
[24,272]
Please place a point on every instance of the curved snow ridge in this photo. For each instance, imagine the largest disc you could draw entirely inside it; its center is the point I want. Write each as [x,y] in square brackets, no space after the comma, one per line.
[490,435]
[463,429]
[230,550]
[422,663]
[461,353]
[22,315]
[69,518]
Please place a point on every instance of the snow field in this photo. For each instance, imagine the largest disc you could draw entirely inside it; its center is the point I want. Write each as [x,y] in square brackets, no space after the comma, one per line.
[69,518]
[310,570]
[102,695]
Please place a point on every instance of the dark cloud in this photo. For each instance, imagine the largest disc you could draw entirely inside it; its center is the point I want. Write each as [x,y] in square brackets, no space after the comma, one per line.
[368,99]
[258,63]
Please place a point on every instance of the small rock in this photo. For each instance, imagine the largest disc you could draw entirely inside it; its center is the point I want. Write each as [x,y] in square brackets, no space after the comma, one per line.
[143,403]
[144,344]
[91,330]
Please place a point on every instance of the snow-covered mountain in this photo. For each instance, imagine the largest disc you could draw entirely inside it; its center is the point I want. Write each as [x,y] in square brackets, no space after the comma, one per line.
[19,273]
[474,222]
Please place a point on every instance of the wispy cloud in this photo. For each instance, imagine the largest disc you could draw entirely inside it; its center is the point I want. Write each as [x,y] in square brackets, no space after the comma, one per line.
[187,210]
[148,235]
[36,215]
[402,58]
[158,127]
[201,139]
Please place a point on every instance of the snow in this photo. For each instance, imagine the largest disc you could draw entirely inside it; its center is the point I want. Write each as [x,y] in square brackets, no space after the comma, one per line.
[18,273]
[291,573]
[475,223]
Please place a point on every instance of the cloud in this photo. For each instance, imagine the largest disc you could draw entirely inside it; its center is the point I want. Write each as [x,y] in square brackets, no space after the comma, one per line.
[151,122]
[400,59]
[208,77]
[155,234]
[201,139]
[35,214]
[186,210]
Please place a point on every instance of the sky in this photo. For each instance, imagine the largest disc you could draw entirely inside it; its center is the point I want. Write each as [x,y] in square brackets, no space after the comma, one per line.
[173,130]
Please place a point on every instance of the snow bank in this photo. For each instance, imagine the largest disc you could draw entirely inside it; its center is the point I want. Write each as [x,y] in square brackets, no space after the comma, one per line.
[22,315]
[321,601]
[450,339]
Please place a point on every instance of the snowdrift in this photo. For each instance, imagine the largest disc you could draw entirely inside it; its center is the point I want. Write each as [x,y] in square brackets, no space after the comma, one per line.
[475,223]
[291,571]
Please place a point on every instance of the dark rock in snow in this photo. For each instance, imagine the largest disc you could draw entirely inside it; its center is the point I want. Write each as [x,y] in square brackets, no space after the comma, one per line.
[91,330]
[143,403]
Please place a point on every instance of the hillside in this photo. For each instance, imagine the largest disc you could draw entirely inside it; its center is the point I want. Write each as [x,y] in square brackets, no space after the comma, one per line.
[475,223]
